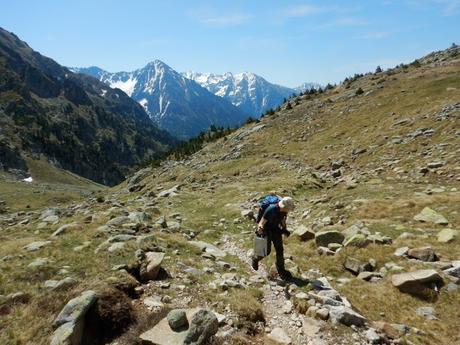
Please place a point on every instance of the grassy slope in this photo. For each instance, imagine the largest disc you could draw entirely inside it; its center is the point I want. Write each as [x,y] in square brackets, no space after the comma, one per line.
[281,157]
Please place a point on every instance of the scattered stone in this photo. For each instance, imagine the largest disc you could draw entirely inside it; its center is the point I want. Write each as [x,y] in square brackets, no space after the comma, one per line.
[424,254]
[177,319]
[357,240]
[139,217]
[208,248]
[372,336]
[169,192]
[279,336]
[65,228]
[428,215]
[402,251]
[454,271]
[370,276]
[447,235]
[39,262]
[415,282]
[75,309]
[304,234]
[63,284]
[203,326]
[323,238]
[346,316]
[435,165]
[248,214]
[34,246]
[150,266]
[426,312]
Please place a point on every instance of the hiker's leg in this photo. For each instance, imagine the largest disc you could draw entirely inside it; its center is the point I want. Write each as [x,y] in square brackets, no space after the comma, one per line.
[278,244]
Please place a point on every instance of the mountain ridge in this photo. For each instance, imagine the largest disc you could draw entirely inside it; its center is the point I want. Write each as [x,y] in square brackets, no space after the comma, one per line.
[74,120]
[175,103]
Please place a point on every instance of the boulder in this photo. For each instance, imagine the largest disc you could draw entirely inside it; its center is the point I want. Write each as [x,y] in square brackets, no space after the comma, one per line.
[357,240]
[454,271]
[447,235]
[69,333]
[150,266]
[323,238]
[304,234]
[60,284]
[208,248]
[346,316]
[401,251]
[428,215]
[177,319]
[203,326]
[75,309]
[415,282]
[279,336]
[139,217]
[353,265]
[426,312]
[423,253]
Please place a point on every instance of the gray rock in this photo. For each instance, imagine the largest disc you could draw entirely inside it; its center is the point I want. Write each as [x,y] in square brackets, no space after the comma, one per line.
[372,336]
[118,221]
[454,271]
[426,312]
[279,336]
[34,246]
[429,215]
[346,316]
[304,234]
[177,319]
[38,262]
[67,227]
[447,235]
[150,266]
[415,282]
[139,217]
[62,284]
[203,326]
[401,251]
[69,333]
[162,334]
[357,240]
[423,253]
[323,238]
[208,248]
[169,192]
[115,247]
[75,309]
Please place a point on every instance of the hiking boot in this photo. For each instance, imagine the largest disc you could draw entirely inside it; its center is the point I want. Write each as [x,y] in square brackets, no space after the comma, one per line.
[286,275]
[255,264]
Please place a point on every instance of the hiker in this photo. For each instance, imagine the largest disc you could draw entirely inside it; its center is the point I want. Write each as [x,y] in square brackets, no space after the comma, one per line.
[272,225]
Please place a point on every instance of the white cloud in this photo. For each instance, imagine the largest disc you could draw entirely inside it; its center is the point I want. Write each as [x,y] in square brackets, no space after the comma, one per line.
[375,35]
[212,19]
[301,11]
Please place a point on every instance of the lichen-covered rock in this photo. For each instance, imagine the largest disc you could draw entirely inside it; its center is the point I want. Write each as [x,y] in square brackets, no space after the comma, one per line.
[323,238]
[428,215]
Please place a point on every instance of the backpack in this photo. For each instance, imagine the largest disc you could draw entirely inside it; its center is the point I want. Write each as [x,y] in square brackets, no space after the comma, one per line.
[264,203]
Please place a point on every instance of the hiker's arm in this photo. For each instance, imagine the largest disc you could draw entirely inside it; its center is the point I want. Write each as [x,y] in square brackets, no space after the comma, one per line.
[260,226]
[283,224]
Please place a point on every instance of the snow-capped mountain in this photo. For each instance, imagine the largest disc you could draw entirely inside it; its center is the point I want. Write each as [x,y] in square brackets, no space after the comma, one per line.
[176,103]
[306,86]
[248,91]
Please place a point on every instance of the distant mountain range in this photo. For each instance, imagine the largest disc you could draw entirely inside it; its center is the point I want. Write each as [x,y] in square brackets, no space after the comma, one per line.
[188,103]
[75,121]
[248,91]
[175,103]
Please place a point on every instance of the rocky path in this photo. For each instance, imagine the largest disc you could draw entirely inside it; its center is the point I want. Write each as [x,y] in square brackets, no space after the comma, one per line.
[283,323]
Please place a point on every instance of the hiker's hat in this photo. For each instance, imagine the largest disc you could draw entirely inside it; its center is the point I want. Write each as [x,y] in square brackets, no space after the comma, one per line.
[287,203]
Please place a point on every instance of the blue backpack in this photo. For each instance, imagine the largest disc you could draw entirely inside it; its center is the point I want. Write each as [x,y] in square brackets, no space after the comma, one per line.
[264,203]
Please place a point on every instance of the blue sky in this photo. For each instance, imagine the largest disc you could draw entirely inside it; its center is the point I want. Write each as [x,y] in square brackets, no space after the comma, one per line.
[287,42]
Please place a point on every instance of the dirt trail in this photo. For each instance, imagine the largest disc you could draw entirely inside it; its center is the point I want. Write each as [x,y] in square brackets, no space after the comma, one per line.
[278,309]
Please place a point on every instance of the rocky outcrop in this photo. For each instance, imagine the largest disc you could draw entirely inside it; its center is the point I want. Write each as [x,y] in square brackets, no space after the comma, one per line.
[69,324]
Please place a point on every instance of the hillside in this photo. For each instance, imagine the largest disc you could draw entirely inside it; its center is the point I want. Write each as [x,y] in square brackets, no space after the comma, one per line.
[362,161]
[175,103]
[75,121]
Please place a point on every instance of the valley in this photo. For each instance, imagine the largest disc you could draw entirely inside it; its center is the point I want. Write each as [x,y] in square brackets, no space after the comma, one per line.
[373,165]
